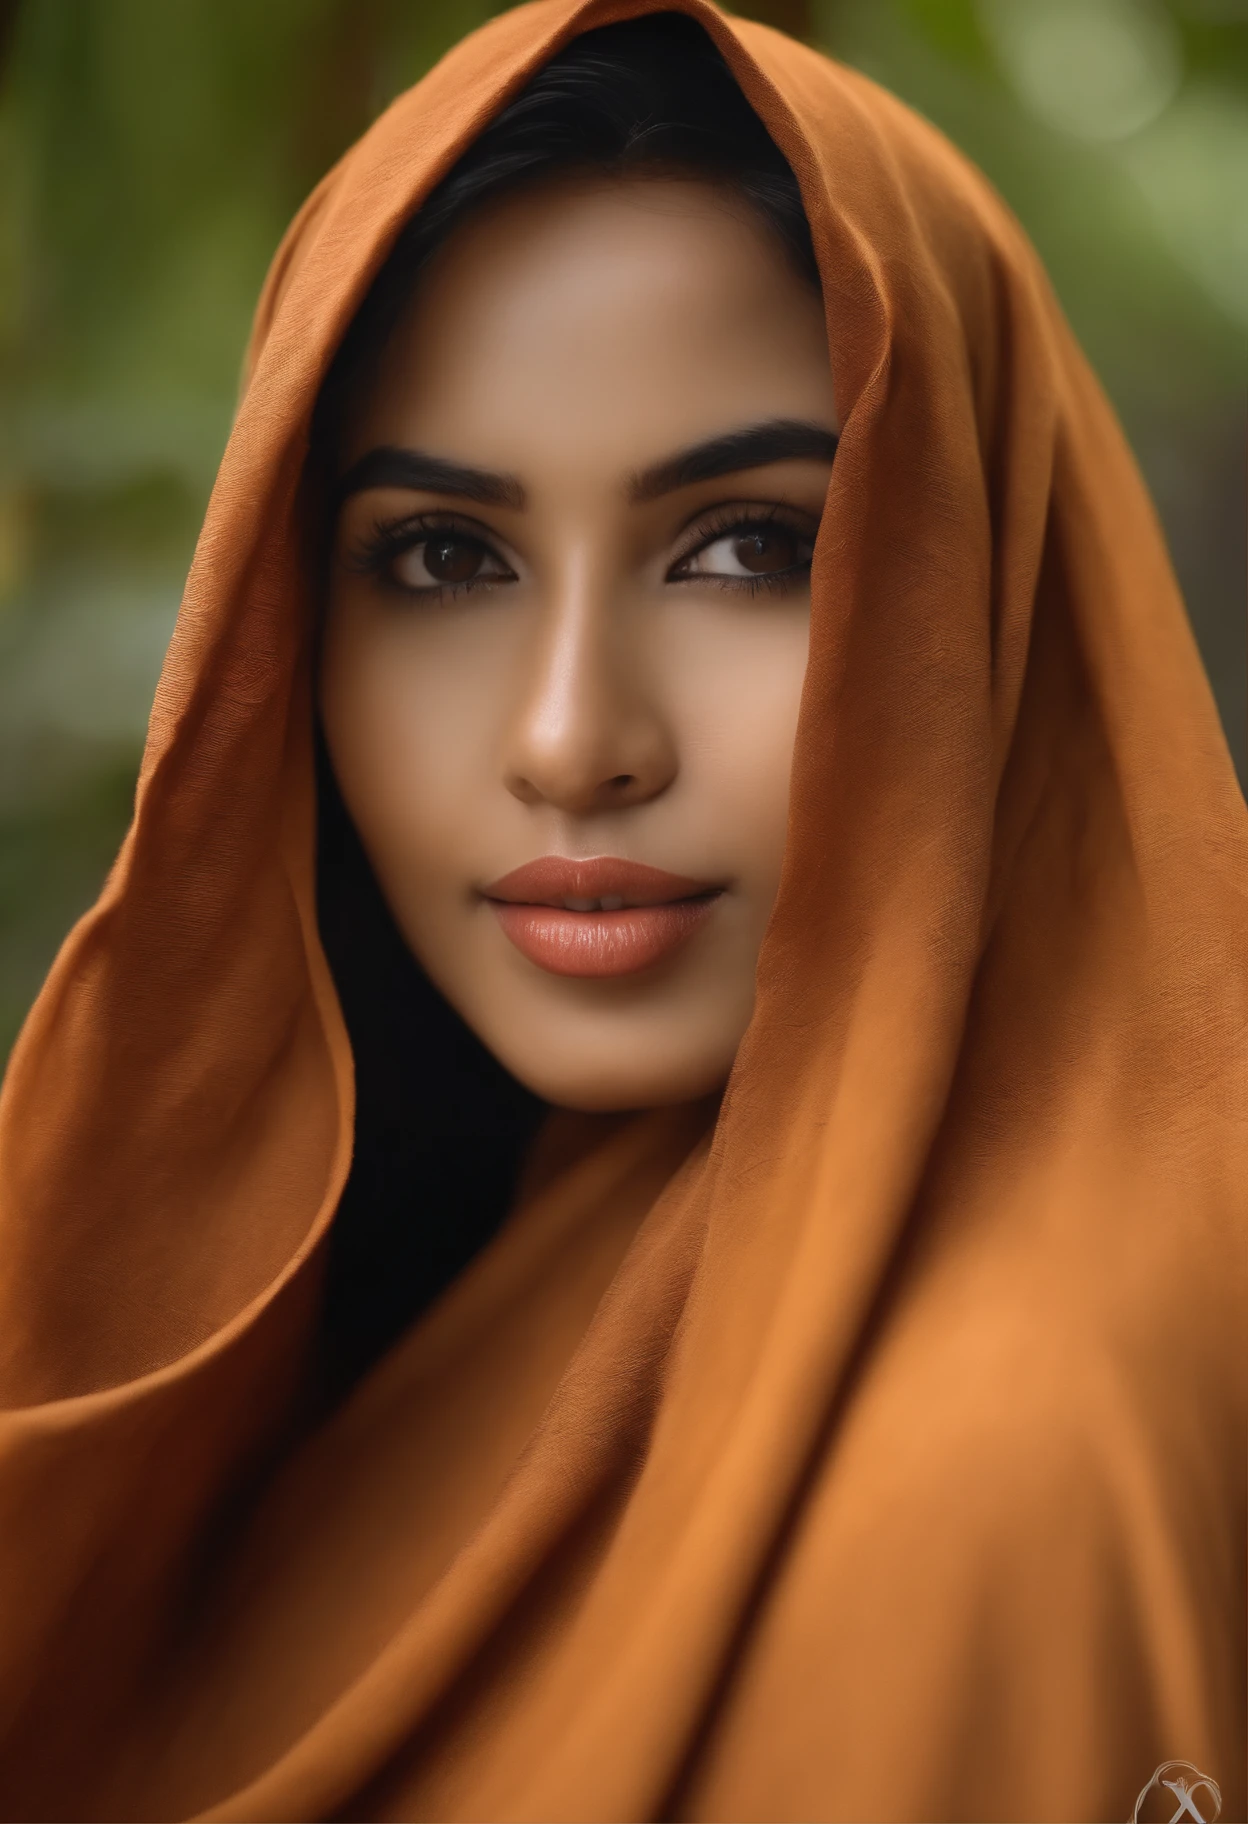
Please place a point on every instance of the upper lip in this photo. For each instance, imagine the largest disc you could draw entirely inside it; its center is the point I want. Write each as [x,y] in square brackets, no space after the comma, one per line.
[554,880]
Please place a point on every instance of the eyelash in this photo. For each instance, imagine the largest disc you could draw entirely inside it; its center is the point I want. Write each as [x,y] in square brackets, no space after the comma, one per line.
[387,540]
[719,522]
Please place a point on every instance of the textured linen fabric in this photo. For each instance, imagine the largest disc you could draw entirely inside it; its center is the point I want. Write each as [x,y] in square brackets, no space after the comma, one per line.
[868,1446]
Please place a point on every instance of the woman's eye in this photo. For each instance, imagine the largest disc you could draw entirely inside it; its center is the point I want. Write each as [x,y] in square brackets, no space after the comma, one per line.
[443,559]
[751,552]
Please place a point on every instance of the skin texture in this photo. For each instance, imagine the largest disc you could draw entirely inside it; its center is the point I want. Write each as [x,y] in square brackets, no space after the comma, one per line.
[611,675]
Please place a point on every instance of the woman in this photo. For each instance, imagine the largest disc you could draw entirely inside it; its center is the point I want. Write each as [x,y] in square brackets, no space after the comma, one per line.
[833,1408]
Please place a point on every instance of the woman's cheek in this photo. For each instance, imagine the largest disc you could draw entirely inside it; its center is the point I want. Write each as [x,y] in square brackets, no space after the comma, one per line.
[408,723]
[739,727]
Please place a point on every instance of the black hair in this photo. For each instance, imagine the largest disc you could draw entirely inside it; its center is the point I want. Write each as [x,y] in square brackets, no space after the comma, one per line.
[441,1126]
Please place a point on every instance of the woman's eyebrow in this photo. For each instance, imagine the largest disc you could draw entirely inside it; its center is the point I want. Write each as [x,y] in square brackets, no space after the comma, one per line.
[776,440]
[389,466]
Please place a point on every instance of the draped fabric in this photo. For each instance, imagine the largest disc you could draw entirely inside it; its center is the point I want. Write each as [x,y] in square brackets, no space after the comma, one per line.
[869,1445]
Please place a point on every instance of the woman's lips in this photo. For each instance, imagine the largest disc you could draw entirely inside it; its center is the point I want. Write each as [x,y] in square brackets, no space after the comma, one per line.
[598,918]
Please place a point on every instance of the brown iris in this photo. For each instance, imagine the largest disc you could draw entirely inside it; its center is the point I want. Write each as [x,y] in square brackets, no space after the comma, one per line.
[452,560]
[766,550]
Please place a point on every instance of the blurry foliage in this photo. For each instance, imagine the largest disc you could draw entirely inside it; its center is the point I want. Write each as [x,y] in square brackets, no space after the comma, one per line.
[152,151]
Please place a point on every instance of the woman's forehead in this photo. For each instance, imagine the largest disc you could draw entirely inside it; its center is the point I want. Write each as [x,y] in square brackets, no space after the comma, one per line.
[619,321]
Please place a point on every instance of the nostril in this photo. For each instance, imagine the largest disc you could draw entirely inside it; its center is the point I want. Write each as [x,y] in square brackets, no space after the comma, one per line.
[621,782]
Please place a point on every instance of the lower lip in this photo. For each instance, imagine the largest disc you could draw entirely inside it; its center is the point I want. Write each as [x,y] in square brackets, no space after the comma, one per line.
[601,943]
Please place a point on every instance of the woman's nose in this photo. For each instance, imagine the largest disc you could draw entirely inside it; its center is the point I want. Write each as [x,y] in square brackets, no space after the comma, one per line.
[588,734]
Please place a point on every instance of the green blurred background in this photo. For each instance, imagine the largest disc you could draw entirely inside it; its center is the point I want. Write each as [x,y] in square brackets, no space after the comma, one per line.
[151,152]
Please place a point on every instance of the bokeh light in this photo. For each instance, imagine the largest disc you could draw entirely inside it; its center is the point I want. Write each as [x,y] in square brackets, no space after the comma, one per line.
[1100,69]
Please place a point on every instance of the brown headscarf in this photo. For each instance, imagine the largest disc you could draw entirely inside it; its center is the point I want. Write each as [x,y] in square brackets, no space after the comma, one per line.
[877,1454]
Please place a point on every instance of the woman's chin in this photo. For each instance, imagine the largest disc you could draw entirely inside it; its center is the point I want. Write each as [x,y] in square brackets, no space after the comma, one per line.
[650,1039]
[591,1081]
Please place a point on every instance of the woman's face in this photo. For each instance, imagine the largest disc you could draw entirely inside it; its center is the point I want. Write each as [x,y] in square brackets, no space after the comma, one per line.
[568,621]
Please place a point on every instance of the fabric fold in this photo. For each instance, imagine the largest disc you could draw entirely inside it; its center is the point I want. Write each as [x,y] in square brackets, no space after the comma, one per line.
[867,1445]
